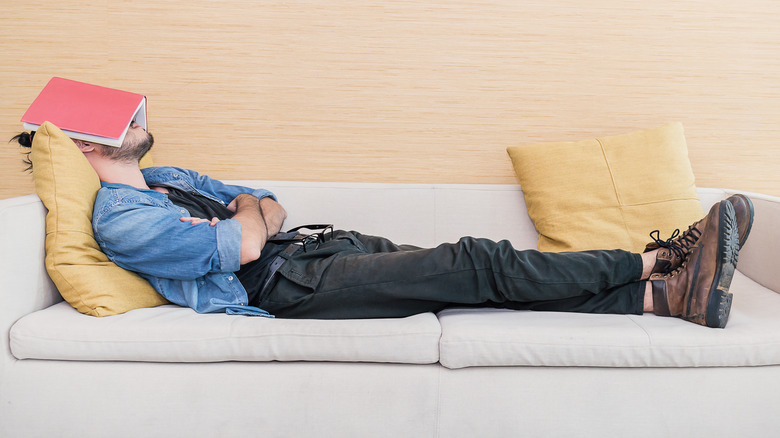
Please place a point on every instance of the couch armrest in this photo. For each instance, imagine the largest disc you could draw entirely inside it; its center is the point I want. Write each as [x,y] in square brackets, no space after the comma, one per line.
[24,284]
[758,259]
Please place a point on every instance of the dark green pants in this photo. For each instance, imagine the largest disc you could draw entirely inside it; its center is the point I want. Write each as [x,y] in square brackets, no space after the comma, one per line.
[358,276]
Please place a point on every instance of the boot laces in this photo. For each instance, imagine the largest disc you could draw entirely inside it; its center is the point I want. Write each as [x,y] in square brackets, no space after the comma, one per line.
[681,246]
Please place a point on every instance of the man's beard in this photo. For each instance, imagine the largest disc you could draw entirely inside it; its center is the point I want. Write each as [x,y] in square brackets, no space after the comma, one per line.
[132,150]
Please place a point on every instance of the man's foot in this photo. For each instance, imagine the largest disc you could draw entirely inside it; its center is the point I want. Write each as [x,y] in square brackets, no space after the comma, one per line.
[698,290]
[673,251]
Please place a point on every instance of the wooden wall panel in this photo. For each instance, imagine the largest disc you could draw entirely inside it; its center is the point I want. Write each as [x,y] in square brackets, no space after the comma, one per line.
[409,91]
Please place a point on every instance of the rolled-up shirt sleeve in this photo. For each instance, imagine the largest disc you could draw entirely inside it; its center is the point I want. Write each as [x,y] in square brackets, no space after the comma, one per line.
[263,193]
[228,246]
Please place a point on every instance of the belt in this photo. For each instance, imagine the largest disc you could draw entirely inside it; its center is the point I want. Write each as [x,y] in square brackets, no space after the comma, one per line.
[278,262]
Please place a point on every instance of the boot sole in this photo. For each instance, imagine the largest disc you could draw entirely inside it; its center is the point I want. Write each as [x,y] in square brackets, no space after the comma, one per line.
[749,203]
[719,302]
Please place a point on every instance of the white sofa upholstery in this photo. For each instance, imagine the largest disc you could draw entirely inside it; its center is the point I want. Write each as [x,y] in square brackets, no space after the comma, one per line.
[168,371]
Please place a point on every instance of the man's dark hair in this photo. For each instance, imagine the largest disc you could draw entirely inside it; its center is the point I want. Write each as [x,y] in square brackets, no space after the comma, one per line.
[25,139]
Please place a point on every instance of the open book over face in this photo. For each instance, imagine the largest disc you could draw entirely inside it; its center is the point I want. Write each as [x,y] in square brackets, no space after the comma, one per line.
[87,112]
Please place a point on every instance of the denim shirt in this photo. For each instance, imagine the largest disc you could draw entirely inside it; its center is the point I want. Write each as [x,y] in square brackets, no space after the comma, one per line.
[190,265]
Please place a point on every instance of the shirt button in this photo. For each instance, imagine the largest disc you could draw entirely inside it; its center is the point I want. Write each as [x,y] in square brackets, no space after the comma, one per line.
[230,278]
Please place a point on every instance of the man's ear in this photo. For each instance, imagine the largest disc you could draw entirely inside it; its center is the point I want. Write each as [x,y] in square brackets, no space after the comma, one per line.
[84,146]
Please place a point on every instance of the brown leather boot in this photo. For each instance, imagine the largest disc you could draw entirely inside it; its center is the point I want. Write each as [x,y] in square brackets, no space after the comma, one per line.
[698,291]
[675,249]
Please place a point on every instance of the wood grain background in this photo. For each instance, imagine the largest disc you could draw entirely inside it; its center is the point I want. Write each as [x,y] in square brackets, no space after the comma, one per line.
[406,90]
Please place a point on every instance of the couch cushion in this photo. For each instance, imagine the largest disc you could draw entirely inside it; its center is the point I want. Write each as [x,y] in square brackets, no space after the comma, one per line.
[493,337]
[178,334]
[609,192]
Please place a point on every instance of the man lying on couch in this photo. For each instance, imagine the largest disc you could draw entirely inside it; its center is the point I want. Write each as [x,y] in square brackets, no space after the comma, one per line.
[219,248]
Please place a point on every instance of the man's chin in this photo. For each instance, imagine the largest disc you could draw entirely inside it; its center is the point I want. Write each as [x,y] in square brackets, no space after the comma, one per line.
[134,151]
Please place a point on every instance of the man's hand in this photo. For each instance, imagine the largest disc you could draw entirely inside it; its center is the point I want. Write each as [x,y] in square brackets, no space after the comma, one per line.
[232,205]
[197,220]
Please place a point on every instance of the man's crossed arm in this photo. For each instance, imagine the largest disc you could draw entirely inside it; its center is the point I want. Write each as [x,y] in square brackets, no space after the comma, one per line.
[259,219]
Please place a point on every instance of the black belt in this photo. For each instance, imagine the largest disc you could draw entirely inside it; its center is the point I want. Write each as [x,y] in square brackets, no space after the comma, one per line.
[278,262]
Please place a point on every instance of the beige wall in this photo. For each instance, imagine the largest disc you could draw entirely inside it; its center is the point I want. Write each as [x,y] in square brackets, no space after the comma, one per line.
[409,91]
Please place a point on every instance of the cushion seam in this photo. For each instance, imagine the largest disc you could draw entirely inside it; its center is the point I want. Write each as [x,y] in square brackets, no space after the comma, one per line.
[609,169]
[615,190]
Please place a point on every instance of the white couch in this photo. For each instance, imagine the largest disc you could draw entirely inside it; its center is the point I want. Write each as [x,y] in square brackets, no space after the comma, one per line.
[170,372]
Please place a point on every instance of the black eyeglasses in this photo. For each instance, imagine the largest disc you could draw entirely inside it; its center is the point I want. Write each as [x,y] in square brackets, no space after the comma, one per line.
[305,240]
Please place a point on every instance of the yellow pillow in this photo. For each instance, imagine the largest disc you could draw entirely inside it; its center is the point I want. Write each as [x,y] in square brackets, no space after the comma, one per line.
[608,192]
[67,185]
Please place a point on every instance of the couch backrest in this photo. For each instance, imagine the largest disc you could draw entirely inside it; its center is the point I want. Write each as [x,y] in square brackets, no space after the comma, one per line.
[418,214]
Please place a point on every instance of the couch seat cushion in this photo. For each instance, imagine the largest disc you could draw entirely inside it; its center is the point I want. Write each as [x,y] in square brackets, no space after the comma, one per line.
[493,337]
[177,334]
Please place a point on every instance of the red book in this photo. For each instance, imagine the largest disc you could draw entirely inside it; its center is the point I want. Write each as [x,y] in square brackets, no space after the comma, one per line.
[86,112]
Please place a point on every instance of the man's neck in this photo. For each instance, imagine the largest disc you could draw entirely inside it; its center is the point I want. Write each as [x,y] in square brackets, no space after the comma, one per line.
[120,173]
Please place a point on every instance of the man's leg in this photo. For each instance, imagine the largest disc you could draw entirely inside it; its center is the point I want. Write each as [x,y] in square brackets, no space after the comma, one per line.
[633,298]
[357,283]
[627,299]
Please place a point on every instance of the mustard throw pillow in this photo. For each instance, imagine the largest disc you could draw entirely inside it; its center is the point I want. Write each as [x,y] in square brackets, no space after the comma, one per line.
[608,192]
[67,185]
